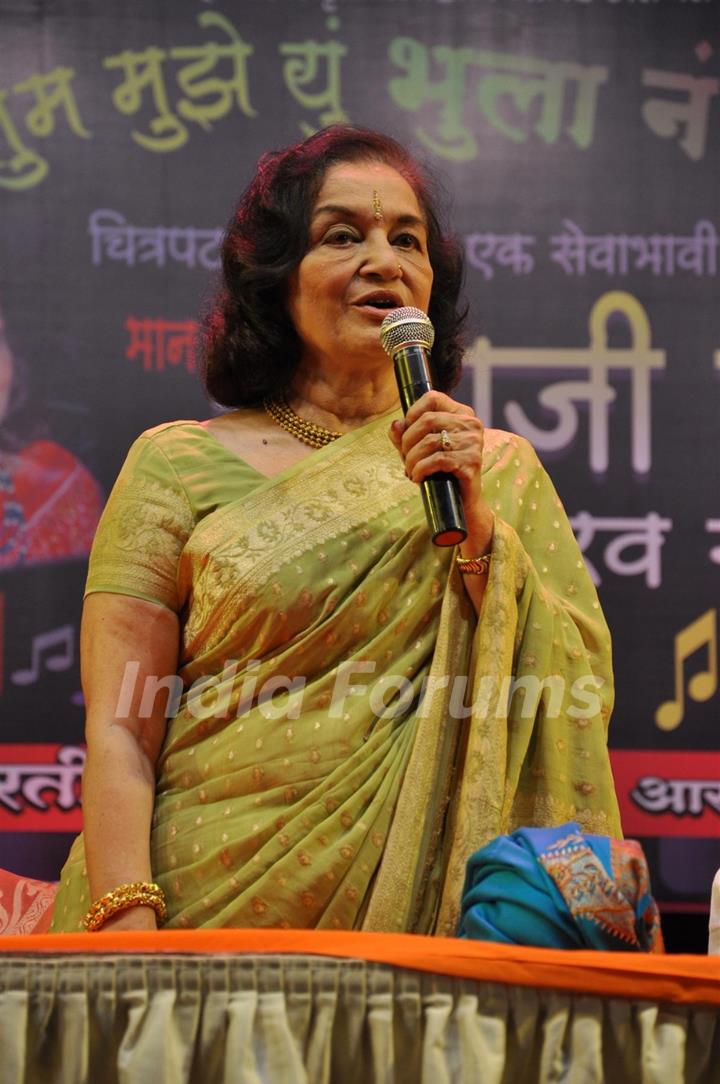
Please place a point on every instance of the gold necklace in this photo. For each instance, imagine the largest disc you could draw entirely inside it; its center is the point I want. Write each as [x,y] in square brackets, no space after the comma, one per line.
[317,436]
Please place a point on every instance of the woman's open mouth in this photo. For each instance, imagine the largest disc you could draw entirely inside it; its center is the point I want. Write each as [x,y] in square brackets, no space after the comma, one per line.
[380,302]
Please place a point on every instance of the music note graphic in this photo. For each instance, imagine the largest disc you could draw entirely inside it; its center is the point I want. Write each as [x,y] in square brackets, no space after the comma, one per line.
[52,650]
[699,634]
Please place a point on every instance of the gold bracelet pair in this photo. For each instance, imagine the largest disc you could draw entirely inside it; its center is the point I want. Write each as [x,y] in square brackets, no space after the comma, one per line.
[136,893]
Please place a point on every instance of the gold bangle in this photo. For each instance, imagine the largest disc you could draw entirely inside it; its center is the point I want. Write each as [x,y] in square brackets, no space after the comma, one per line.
[143,893]
[473,566]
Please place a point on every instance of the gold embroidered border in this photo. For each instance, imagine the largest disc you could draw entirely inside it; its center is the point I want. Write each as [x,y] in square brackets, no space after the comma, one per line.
[337,490]
[424,794]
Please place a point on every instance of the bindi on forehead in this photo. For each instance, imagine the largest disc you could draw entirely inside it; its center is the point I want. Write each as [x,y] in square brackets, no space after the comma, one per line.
[350,192]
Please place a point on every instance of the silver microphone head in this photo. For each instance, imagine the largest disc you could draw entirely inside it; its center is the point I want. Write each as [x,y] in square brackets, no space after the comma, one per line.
[406,327]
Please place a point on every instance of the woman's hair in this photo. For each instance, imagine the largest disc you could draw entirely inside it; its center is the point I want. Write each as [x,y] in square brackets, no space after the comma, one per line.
[250,346]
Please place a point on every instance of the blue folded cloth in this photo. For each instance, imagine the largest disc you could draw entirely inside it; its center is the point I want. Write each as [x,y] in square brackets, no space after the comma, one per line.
[560,888]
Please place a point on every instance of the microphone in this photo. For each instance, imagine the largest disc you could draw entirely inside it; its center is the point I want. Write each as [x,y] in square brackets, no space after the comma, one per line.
[407,336]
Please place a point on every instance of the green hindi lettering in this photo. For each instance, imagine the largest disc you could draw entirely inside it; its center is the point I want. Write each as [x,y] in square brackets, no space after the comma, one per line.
[411,90]
[204,59]
[25,167]
[301,71]
[53,94]
[507,89]
[142,71]
[523,81]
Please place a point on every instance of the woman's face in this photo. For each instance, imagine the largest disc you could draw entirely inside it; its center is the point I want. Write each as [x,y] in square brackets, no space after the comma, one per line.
[367,254]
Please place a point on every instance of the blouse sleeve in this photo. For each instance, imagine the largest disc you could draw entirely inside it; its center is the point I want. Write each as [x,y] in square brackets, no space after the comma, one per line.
[146,522]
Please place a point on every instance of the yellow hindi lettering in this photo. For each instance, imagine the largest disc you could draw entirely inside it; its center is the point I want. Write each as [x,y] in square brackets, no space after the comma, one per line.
[53,93]
[699,634]
[301,71]
[207,96]
[143,70]
[24,167]
[204,59]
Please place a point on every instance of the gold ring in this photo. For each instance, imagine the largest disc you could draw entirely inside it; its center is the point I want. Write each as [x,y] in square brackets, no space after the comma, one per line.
[445,442]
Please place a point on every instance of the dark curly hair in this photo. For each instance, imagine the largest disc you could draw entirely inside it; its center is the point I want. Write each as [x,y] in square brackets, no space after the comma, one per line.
[250,349]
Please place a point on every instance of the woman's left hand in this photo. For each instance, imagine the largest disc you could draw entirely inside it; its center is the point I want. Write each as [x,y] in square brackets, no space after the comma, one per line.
[419,440]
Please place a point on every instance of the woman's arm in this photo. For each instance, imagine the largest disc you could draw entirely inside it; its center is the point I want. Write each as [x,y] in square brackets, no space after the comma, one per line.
[123,640]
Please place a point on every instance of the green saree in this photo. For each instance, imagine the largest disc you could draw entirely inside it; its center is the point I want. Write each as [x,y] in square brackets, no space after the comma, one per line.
[348,732]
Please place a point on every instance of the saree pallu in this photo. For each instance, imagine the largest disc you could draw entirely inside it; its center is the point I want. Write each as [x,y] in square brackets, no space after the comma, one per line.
[349,732]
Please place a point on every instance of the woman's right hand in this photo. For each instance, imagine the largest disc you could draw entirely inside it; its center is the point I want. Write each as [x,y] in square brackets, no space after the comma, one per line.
[132,918]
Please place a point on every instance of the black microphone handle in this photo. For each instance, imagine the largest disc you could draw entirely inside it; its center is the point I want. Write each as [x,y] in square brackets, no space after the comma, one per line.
[440,492]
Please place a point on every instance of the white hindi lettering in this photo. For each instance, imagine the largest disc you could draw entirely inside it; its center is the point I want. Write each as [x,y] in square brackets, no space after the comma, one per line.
[693,251]
[150,245]
[29,781]
[577,252]
[712,526]
[683,797]
[113,239]
[562,397]
[505,249]
[109,230]
[642,532]
[10,779]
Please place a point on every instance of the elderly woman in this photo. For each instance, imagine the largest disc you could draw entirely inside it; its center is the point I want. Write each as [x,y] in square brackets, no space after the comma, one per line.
[347,725]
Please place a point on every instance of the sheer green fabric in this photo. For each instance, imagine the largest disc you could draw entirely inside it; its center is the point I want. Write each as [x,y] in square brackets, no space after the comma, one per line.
[347,736]
[313,1020]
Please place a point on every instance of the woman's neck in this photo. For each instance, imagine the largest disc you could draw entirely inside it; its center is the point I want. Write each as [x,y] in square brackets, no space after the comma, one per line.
[343,401]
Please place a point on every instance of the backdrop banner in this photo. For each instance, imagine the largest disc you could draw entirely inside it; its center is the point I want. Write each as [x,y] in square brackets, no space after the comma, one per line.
[579,144]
